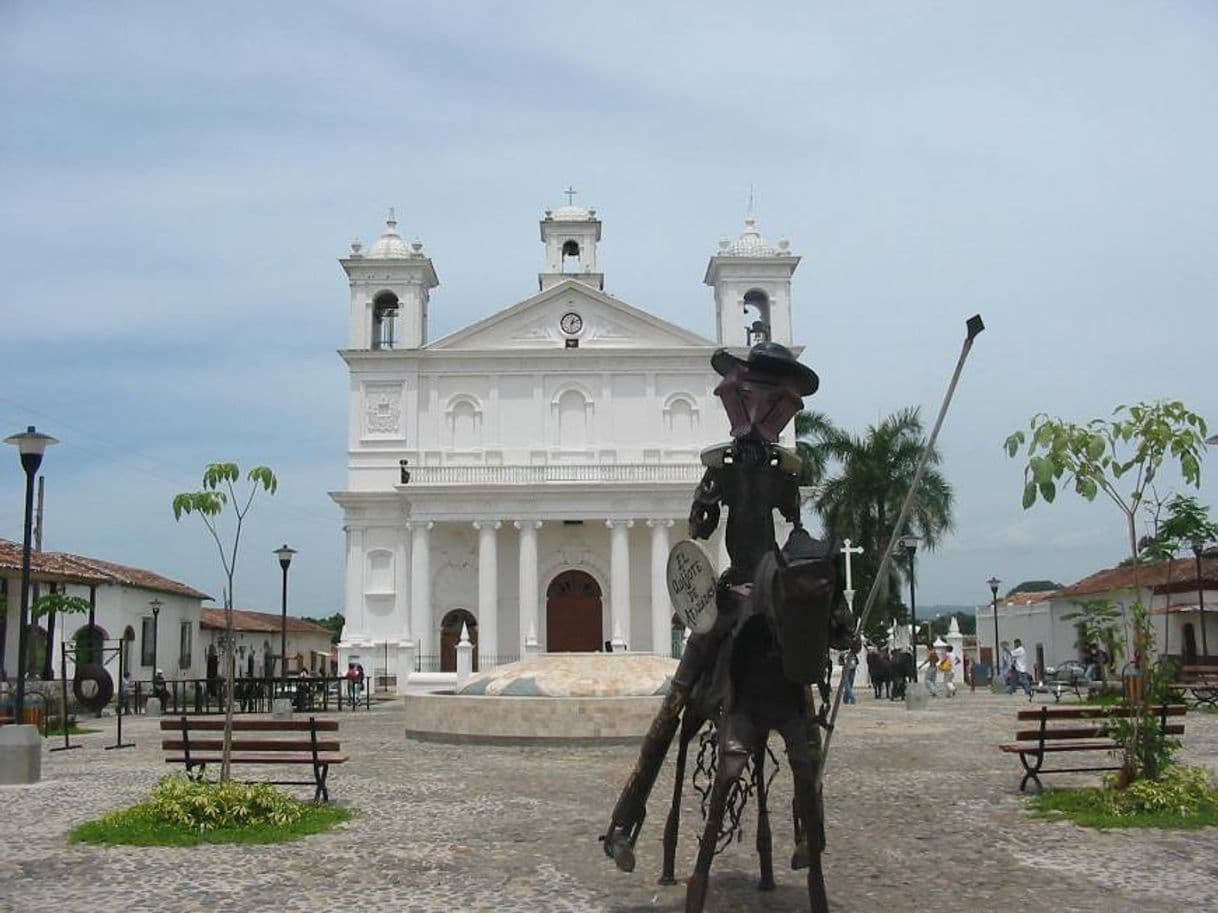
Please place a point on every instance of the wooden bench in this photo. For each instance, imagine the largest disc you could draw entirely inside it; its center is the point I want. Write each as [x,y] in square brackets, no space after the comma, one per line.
[1200,683]
[199,742]
[1083,728]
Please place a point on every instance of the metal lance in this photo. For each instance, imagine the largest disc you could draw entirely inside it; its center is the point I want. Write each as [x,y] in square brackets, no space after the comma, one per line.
[973,326]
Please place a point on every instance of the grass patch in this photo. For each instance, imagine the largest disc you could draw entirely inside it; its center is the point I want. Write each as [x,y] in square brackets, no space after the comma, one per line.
[1183,798]
[181,812]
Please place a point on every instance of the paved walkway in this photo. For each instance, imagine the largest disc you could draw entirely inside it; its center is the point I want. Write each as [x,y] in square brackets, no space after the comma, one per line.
[924,813]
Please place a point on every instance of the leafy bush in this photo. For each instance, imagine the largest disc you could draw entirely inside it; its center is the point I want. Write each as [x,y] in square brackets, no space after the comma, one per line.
[1179,790]
[203,806]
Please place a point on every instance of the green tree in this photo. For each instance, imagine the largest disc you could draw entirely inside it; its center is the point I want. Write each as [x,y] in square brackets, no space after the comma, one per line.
[859,482]
[1186,522]
[335,624]
[1119,457]
[223,494]
[49,606]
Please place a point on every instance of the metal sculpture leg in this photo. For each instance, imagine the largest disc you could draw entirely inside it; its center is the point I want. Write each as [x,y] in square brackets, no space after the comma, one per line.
[797,735]
[631,806]
[733,757]
[691,724]
[765,840]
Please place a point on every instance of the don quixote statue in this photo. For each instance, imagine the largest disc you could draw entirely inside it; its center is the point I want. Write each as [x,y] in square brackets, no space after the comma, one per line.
[758,657]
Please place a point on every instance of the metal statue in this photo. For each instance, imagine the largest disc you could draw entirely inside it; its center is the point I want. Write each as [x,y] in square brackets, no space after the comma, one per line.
[751,663]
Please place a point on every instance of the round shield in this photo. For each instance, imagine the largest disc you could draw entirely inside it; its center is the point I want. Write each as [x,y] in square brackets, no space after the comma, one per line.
[691,586]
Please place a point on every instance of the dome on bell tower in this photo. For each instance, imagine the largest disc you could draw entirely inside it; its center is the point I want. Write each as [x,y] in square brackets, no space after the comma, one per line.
[390,245]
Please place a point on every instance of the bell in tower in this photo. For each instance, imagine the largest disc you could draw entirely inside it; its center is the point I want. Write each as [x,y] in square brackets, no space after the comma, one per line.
[570,234]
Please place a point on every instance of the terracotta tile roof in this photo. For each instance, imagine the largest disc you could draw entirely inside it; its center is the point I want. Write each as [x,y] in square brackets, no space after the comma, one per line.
[268,622]
[1152,575]
[61,567]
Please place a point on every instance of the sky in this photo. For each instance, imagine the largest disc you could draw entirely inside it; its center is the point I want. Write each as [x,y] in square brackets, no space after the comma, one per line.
[177,183]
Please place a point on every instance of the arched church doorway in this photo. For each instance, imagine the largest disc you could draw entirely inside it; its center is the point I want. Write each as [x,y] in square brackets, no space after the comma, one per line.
[89,642]
[450,636]
[573,614]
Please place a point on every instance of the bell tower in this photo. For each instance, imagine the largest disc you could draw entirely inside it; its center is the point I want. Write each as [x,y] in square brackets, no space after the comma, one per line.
[570,234]
[751,279]
[390,284]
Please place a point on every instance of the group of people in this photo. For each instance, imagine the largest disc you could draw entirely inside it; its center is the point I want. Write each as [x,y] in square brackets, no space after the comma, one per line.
[941,666]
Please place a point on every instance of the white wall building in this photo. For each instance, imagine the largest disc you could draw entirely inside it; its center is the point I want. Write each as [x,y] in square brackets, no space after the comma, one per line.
[1170,592]
[257,643]
[527,474]
[123,599]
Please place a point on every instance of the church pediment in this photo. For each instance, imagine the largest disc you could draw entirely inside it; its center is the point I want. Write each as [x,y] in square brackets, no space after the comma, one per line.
[545,320]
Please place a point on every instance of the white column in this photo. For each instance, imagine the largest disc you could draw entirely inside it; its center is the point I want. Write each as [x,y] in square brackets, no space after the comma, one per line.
[420,582]
[661,607]
[401,581]
[528,585]
[353,626]
[488,592]
[619,582]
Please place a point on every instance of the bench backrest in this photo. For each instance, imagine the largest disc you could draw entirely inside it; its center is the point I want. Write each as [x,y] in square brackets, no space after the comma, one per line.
[1090,721]
[194,734]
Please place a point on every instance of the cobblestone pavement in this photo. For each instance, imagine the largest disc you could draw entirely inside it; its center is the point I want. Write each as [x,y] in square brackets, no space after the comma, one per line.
[923,812]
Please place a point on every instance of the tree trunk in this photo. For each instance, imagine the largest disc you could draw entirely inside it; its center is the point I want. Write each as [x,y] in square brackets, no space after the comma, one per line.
[230,666]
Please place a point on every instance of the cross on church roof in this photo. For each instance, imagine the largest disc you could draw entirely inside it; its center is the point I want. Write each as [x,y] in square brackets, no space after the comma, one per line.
[570,192]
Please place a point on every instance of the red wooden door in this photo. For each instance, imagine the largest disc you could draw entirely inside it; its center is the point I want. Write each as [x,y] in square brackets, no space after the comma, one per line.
[573,614]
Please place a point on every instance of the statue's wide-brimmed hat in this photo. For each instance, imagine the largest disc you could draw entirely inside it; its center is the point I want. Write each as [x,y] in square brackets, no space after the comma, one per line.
[771,358]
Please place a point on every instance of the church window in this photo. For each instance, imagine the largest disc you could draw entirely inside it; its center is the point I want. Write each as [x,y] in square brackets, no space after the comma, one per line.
[570,257]
[757,316]
[384,318]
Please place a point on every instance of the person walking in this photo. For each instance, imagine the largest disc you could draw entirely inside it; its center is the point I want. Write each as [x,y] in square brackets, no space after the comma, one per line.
[850,664]
[947,671]
[1019,665]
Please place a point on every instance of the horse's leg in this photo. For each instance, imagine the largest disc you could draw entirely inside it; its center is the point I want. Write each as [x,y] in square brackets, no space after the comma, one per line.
[765,840]
[803,757]
[691,723]
[734,750]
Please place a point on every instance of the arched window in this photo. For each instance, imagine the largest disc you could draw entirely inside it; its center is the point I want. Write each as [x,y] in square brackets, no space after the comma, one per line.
[464,415]
[756,316]
[572,420]
[680,415]
[380,572]
[384,318]
[570,257]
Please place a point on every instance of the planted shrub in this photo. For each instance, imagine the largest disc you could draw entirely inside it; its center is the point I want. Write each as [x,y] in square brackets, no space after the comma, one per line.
[201,805]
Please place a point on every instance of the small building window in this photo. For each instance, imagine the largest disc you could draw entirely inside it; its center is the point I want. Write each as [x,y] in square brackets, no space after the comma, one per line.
[184,645]
[148,641]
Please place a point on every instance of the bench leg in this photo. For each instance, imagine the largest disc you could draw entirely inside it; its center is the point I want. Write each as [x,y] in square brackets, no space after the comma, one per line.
[196,772]
[1032,772]
[321,794]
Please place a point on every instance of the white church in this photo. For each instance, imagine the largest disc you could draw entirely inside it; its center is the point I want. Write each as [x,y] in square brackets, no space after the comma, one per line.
[525,476]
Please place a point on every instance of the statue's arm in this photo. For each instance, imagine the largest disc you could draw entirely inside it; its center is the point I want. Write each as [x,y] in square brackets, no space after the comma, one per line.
[704,512]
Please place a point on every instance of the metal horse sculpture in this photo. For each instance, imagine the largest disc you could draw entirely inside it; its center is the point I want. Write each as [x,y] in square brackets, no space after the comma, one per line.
[754,671]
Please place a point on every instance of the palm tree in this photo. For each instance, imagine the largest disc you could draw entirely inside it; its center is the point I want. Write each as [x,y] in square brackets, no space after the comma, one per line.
[859,482]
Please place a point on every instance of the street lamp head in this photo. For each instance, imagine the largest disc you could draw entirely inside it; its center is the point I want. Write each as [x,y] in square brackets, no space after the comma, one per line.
[1198,545]
[285,556]
[993,583]
[32,444]
[909,542]
[155,604]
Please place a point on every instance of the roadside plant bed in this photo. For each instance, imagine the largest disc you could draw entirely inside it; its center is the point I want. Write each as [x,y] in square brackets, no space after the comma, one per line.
[182,812]
[1182,797]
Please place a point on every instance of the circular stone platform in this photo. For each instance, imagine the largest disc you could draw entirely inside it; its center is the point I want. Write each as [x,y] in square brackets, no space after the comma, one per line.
[554,697]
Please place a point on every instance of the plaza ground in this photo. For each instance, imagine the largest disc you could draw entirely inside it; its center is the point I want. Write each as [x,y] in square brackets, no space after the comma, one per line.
[923,813]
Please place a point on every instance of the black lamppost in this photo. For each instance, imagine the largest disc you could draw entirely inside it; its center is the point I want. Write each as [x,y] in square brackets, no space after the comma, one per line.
[155,605]
[32,445]
[285,558]
[1198,547]
[909,545]
[993,583]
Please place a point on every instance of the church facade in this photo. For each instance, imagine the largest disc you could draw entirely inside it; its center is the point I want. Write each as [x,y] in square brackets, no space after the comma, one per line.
[524,477]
